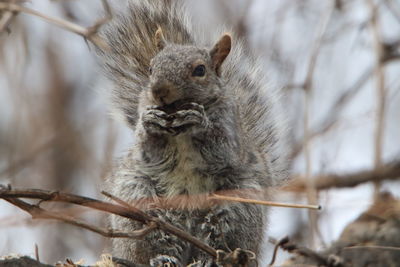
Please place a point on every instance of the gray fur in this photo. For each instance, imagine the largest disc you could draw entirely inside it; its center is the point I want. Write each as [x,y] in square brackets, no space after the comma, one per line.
[226,135]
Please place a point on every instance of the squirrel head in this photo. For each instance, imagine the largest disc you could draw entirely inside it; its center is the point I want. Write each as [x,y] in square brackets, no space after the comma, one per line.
[180,73]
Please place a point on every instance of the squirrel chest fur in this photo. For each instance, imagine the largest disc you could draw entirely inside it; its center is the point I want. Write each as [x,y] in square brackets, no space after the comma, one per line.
[185,178]
[204,121]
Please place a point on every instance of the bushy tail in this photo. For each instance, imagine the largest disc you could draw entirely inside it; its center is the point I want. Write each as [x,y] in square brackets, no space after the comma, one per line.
[261,115]
[130,36]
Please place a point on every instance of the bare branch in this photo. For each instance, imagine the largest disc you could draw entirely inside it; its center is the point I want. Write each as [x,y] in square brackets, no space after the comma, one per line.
[323,182]
[130,212]
[6,18]
[89,33]
[38,213]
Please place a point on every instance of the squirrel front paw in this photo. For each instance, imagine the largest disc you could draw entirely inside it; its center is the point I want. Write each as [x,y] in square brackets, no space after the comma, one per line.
[165,261]
[156,121]
[191,116]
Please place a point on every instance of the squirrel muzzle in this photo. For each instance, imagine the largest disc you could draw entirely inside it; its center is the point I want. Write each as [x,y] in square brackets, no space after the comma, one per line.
[164,93]
[160,94]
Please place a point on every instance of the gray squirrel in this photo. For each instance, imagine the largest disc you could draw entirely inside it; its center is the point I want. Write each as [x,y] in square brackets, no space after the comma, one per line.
[205,120]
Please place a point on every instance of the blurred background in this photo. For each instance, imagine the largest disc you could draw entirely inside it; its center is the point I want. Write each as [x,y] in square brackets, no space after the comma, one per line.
[336,62]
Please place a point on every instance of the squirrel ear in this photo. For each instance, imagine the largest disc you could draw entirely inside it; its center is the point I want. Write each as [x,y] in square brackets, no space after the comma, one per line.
[220,51]
[159,39]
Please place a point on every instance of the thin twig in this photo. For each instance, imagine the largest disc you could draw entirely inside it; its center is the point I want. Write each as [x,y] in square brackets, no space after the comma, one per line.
[290,247]
[6,19]
[331,119]
[37,252]
[118,200]
[277,245]
[374,247]
[266,203]
[89,33]
[166,226]
[380,86]
[308,86]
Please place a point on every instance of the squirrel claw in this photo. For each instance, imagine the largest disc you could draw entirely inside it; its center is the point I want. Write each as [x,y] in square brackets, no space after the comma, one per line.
[192,114]
[165,261]
[192,106]
[153,111]
[155,121]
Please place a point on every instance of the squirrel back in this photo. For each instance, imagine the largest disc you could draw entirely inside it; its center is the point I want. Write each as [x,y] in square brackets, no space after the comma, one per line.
[131,37]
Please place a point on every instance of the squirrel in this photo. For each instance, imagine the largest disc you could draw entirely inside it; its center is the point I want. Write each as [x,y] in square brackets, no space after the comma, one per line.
[204,119]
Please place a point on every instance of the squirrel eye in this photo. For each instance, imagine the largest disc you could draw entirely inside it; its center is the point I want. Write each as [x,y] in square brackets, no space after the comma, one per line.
[150,70]
[199,71]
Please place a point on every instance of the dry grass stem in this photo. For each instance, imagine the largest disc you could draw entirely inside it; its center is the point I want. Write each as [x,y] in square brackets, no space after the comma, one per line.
[265,203]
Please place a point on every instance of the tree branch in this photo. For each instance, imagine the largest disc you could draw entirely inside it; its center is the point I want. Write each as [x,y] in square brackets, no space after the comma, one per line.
[89,33]
[389,171]
[130,212]
[38,213]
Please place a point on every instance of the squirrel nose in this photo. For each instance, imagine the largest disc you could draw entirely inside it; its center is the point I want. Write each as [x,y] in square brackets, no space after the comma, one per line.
[159,92]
